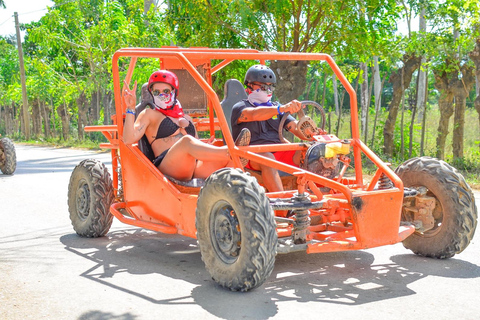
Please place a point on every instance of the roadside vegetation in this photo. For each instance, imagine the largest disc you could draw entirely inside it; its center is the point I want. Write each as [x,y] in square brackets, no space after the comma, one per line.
[418,89]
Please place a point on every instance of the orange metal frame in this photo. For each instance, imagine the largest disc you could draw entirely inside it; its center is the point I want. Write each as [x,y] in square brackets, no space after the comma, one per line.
[155,203]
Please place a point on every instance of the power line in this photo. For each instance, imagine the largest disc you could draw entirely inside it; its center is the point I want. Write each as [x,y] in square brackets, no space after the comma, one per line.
[25,13]
[44,9]
[1,24]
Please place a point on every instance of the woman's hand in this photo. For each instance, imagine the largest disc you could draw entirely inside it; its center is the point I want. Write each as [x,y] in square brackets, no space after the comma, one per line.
[129,96]
[211,140]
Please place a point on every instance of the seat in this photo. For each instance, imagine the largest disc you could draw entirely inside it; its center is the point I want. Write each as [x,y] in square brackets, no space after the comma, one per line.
[192,186]
[234,92]
[143,143]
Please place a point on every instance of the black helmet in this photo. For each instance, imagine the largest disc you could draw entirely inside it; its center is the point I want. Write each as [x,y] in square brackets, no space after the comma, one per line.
[260,73]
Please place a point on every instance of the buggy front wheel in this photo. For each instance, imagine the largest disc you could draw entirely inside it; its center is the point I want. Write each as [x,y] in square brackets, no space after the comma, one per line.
[236,230]
[90,194]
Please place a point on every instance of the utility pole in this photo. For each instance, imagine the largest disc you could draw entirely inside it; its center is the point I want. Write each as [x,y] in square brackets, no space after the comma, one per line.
[26,115]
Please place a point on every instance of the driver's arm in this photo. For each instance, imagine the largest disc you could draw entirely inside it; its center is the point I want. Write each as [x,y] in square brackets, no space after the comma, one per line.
[265,113]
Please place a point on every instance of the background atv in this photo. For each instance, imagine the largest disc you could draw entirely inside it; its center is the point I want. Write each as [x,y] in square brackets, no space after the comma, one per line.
[239,225]
[8,157]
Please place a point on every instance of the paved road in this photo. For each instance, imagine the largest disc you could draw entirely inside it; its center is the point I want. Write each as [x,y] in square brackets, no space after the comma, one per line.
[48,272]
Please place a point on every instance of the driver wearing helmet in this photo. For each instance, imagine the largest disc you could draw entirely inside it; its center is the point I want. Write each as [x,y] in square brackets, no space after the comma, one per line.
[171,133]
[262,117]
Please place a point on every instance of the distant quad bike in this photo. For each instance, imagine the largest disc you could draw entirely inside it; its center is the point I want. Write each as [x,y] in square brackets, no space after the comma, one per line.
[8,157]
[240,226]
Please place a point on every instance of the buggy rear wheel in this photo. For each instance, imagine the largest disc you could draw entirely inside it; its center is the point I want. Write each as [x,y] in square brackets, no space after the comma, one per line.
[8,158]
[236,230]
[90,194]
[455,213]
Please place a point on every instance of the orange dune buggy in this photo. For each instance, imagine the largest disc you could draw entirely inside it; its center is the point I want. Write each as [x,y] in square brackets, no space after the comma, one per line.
[239,225]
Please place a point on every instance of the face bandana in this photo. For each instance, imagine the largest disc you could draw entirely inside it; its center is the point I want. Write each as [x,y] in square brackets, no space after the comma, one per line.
[260,98]
[166,104]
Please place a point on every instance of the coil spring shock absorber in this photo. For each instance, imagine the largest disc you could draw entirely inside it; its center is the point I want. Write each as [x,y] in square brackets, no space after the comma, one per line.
[302,220]
[384,182]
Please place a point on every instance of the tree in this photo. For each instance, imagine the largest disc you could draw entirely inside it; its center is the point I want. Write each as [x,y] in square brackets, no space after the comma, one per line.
[475,56]
[76,41]
[334,27]
[400,80]
[453,40]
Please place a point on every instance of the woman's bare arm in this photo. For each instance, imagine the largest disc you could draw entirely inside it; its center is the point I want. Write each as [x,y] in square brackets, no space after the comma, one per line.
[133,130]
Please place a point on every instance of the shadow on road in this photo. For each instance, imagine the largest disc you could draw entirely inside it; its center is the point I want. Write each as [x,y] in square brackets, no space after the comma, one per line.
[348,278]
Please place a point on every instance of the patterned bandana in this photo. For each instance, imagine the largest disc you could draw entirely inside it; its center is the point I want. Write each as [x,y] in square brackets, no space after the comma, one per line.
[168,105]
[260,98]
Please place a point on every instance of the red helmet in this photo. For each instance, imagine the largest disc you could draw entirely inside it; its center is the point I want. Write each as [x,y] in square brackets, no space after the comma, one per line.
[164,76]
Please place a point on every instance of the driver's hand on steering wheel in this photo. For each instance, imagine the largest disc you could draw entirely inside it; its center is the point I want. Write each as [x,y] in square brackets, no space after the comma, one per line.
[292,107]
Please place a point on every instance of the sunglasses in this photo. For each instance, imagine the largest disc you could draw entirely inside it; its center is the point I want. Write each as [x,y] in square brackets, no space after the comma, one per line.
[265,87]
[156,93]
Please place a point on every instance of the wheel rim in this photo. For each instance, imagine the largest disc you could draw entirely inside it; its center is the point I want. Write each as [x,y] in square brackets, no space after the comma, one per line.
[225,232]
[82,197]
[437,216]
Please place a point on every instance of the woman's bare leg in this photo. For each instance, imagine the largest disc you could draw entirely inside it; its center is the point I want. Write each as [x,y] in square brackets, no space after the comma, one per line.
[181,160]
[205,169]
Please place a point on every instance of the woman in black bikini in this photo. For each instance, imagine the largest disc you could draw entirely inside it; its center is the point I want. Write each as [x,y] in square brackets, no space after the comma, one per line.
[171,133]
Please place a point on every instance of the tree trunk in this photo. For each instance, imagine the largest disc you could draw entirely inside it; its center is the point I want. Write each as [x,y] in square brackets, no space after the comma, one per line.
[107,107]
[46,119]
[36,118]
[410,142]
[146,5]
[96,98]
[402,132]
[377,83]
[445,104]
[378,109]
[461,89]
[82,114]
[335,93]
[63,114]
[291,79]
[54,128]
[8,119]
[422,139]
[421,73]
[400,80]
[364,98]
[475,57]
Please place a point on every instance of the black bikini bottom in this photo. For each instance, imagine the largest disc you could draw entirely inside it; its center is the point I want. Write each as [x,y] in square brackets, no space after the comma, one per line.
[160,158]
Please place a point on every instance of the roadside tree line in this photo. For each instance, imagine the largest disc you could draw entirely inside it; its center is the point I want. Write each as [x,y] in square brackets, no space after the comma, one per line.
[68,59]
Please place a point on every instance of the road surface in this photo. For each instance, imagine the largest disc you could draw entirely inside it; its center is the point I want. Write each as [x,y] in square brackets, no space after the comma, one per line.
[48,272]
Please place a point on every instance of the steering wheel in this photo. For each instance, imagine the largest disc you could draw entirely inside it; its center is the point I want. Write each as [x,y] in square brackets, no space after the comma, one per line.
[305,124]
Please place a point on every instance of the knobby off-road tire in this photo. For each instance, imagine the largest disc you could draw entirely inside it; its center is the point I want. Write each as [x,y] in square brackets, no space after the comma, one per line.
[236,230]
[455,212]
[9,163]
[90,194]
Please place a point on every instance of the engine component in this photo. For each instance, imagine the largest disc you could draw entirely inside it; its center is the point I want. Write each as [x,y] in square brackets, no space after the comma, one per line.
[316,162]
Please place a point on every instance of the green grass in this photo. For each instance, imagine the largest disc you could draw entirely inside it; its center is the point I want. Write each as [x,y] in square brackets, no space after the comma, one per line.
[469,165]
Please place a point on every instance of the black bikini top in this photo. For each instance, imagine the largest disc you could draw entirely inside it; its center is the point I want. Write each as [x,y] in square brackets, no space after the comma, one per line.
[167,127]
